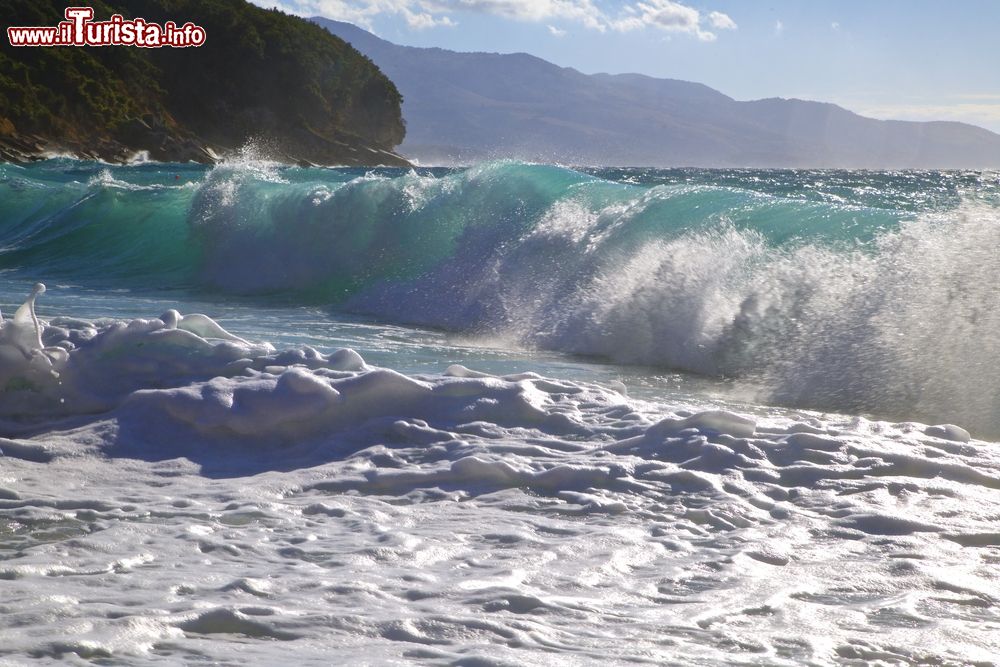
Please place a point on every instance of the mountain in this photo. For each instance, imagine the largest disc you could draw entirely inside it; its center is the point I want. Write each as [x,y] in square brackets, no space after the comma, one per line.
[463,107]
[299,92]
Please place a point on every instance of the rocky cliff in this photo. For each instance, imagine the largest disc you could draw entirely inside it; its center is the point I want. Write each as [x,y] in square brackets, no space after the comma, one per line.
[296,91]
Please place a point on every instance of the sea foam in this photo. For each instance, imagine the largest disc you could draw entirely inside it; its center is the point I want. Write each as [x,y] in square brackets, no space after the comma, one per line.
[171,491]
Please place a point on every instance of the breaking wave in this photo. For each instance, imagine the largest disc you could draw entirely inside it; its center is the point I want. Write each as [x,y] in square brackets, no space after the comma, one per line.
[827,304]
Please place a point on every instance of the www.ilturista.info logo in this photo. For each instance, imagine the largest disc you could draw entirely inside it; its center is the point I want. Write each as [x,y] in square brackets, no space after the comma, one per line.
[80,30]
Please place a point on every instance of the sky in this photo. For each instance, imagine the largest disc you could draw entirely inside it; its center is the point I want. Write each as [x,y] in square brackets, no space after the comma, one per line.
[903,59]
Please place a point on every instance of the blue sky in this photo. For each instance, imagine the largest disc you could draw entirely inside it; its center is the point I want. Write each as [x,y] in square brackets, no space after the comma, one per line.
[908,59]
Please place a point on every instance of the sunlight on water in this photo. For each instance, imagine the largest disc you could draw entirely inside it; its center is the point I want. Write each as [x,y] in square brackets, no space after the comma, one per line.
[501,415]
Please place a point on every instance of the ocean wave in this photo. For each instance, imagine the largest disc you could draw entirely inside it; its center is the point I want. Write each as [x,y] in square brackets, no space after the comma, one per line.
[815,303]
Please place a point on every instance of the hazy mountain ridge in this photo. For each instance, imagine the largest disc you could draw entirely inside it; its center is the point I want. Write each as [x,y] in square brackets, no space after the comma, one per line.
[462,107]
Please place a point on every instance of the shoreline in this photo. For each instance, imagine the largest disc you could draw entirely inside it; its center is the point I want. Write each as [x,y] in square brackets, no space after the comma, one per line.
[28,148]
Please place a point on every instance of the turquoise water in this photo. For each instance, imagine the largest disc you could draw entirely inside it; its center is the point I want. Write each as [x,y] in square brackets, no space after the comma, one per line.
[856,291]
[591,416]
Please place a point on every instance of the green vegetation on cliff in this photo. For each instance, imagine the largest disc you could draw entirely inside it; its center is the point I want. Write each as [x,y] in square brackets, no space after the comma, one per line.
[261,75]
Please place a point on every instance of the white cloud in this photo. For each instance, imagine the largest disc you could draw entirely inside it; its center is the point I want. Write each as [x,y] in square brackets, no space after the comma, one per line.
[670,16]
[584,12]
[556,32]
[422,20]
[779,27]
[721,21]
[666,15]
[361,13]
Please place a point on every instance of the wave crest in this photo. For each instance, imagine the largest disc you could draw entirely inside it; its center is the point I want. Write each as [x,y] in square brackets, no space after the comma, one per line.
[807,302]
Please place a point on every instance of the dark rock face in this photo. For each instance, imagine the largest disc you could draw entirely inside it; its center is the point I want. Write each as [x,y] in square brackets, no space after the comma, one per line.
[295,91]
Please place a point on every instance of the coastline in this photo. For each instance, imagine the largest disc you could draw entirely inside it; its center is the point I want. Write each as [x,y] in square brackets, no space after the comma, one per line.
[26,148]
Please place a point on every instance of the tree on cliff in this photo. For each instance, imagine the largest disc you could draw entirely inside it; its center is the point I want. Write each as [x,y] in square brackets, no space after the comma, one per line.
[262,74]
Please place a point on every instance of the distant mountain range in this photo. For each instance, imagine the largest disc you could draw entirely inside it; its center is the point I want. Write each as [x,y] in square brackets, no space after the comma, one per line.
[466,107]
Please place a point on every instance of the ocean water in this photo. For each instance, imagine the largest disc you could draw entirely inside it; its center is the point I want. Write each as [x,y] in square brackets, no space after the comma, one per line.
[512,414]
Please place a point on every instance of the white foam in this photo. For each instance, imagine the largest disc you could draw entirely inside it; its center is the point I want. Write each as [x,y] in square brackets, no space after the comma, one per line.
[211,498]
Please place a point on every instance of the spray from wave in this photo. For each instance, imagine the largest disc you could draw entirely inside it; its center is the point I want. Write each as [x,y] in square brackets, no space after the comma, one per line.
[817,303]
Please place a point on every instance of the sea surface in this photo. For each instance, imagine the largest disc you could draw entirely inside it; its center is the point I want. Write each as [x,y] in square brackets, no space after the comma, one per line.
[511,414]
